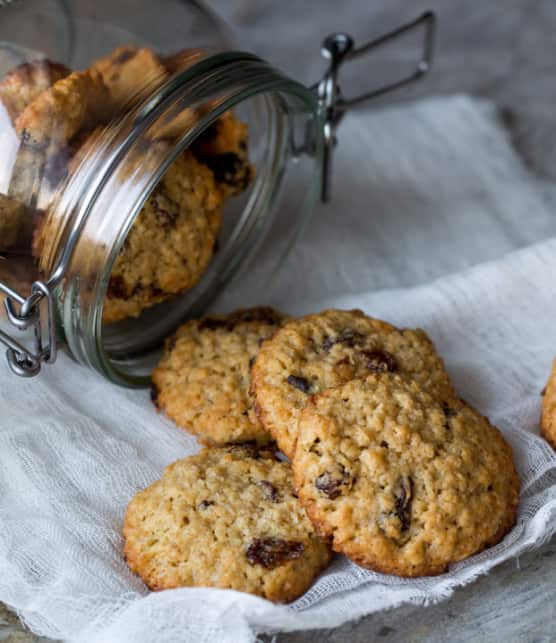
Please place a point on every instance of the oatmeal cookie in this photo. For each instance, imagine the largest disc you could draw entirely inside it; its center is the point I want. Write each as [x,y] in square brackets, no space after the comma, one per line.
[170,243]
[317,352]
[129,72]
[79,101]
[225,518]
[35,165]
[202,380]
[401,483]
[24,83]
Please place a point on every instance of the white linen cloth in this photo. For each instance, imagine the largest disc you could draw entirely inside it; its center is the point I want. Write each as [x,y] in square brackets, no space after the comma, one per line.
[420,191]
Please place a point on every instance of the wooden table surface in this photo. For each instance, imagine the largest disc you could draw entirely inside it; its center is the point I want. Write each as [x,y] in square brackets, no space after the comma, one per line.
[504,51]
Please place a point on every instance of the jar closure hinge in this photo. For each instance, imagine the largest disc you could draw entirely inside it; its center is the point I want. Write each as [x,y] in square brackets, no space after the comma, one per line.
[339,48]
[36,312]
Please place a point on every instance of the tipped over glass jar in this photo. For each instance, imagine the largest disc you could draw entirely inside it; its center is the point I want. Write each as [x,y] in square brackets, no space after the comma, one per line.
[145,162]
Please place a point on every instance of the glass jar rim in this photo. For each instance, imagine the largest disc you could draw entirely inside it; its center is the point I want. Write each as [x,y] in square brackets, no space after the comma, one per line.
[80,323]
[328,105]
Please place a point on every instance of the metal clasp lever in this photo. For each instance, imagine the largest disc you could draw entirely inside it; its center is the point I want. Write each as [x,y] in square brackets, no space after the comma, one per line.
[340,48]
[22,360]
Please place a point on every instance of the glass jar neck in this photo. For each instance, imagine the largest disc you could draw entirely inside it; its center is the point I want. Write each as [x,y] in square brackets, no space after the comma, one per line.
[101,200]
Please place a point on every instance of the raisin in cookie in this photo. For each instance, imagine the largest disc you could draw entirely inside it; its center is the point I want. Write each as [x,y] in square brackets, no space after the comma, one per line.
[202,381]
[224,148]
[320,351]
[548,417]
[225,518]
[401,483]
[24,83]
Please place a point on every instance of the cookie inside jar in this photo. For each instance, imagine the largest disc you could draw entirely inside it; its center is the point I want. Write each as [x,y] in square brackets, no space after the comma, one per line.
[139,178]
[146,183]
[174,235]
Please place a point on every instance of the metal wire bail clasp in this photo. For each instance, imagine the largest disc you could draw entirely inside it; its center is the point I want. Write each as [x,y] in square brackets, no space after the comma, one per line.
[23,361]
[339,48]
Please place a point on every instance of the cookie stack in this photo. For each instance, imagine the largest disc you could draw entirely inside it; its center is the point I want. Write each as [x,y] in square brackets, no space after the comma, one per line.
[387,465]
[61,117]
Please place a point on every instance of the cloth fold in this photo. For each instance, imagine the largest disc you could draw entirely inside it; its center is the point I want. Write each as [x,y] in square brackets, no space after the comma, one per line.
[74,449]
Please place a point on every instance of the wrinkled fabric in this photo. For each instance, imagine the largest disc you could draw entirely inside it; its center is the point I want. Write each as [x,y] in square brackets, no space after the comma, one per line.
[74,448]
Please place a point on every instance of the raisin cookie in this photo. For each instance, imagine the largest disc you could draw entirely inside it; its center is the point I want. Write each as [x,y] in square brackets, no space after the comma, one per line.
[225,518]
[548,417]
[170,243]
[77,102]
[202,381]
[317,352]
[24,83]
[37,160]
[401,483]
[129,72]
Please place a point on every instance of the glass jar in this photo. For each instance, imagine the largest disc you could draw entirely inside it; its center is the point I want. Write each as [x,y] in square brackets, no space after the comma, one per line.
[135,190]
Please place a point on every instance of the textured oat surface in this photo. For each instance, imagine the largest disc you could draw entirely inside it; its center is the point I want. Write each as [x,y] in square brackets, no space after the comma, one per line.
[401,483]
[202,380]
[323,350]
[224,518]
[170,243]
